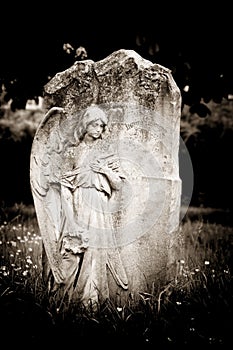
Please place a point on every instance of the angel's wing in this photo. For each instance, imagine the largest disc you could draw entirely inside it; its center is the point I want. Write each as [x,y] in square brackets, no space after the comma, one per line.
[46,163]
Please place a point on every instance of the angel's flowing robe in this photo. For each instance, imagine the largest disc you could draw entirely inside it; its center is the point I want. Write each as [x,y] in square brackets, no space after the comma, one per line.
[87,239]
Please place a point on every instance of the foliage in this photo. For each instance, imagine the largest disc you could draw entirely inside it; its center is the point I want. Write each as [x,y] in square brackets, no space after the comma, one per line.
[219,118]
[17,130]
[209,142]
[20,124]
[194,308]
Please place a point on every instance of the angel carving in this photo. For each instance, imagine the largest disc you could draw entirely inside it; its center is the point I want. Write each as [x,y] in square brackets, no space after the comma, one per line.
[74,180]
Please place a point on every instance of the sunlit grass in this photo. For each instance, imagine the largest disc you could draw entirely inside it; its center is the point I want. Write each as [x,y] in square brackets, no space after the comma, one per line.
[196,307]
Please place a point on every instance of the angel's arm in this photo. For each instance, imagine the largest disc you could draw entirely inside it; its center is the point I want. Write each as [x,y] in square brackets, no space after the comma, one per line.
[112,171]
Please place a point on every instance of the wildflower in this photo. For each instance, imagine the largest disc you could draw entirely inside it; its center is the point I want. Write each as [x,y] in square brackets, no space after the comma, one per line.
[13,243]
[25,273]
[30,249]
[119,309]
[29,261]
[207,262]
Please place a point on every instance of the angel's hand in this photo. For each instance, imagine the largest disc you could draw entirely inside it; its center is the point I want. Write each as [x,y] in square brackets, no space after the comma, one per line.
[69,173]
[114,165]
[111,172]
[98,167]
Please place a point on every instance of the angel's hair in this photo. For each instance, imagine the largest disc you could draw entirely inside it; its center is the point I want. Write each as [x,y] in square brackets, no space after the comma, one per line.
[90,115]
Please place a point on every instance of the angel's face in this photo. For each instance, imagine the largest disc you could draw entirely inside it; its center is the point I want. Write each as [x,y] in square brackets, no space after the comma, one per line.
[95,129]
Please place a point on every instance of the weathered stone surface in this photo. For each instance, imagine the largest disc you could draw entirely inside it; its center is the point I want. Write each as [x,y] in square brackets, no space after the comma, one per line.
[143,106]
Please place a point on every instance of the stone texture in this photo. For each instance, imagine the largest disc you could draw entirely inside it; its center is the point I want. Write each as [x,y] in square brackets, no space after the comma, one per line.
[143,104]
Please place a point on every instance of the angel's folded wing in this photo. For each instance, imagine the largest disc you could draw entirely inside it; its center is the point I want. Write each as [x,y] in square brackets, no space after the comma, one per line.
[45,170]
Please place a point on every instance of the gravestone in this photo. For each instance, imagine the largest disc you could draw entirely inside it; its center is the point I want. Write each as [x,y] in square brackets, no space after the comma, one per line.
[108,200]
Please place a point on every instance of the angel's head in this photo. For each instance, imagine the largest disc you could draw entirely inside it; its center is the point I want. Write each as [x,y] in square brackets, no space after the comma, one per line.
[92,124]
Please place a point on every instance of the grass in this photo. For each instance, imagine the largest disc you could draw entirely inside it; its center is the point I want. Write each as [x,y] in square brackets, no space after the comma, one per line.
[196,308]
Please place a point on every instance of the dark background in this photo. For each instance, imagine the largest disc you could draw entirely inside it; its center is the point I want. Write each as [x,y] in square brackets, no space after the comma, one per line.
[192,40]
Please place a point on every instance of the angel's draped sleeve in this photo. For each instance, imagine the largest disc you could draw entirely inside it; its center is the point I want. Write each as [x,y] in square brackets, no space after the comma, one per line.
[85,177]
